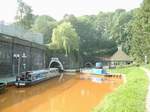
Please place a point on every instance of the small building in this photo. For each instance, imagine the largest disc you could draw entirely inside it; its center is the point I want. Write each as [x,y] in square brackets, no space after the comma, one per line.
[20,50]
[120,58]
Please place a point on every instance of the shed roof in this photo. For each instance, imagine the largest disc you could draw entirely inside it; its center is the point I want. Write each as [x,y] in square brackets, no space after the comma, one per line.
[120,56]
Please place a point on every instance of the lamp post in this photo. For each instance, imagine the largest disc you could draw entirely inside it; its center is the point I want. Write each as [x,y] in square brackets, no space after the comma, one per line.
[18,57]
[24,57]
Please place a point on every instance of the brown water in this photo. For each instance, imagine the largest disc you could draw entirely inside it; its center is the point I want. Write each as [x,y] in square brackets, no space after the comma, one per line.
[71,94]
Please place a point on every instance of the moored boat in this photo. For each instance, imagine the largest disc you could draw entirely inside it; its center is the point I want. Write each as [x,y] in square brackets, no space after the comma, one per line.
[98,70]
[32,77]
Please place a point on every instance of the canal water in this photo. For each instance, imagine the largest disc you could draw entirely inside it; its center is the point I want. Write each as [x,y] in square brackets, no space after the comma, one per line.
[71,94]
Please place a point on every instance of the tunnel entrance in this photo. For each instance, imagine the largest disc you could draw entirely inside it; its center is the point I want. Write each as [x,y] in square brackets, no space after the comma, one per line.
[88,65]
[55,63]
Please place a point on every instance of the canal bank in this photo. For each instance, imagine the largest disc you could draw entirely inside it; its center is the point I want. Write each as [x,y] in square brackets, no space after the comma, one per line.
[130,96]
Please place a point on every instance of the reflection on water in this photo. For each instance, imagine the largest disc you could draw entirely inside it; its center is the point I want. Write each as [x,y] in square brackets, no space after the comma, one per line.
[68,95]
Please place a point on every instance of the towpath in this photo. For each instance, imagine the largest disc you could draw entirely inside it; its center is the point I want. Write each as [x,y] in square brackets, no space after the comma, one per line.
[148,94]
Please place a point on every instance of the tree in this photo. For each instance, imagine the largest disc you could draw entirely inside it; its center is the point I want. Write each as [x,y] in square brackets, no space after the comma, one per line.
[120,21]
[87,35]
[65,37]
[24,16]
[103,24]
[141,32]
[113,26]
[92,43]
[44,24]
[93,40]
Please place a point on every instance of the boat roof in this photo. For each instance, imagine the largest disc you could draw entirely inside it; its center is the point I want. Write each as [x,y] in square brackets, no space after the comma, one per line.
[35,72]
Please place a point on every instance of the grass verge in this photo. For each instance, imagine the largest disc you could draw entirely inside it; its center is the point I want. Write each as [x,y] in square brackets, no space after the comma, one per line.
[130,96]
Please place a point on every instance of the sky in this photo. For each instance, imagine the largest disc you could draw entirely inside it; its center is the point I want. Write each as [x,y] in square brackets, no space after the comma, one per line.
[58,8]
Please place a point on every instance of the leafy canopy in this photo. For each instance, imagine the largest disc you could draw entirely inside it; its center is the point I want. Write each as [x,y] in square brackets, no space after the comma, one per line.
[24,16]
[65,37]
[44,24]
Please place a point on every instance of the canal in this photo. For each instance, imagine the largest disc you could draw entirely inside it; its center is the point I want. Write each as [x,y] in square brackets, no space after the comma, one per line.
[71,94]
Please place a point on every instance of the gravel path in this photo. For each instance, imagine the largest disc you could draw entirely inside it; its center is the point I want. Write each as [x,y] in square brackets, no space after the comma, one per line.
[148,94]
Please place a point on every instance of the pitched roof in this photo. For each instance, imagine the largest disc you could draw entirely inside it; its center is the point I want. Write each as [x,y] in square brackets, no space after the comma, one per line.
[120,56]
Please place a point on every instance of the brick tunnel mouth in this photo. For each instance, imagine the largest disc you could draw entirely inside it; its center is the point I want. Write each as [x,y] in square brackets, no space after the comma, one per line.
[88,65]
[56,65]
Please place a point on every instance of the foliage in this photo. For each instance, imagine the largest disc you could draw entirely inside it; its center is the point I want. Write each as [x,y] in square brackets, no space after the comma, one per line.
[65,37]
[130,96]
[45,25]
[140,29]
[92,44]
[103,24]
[87,35]
[99,34]
[24,17]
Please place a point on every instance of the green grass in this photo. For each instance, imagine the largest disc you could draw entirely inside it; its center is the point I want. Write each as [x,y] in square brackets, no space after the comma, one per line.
[130,96]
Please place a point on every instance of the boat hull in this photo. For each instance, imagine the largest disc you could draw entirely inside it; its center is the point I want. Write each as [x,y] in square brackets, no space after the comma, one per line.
[98,71]
[23,83]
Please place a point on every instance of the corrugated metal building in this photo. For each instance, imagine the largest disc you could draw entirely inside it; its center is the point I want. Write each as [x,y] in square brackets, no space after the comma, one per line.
[31,53]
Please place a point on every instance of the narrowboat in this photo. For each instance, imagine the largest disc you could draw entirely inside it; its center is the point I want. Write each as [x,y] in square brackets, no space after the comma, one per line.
[2,87]
[98,70]
[33,77]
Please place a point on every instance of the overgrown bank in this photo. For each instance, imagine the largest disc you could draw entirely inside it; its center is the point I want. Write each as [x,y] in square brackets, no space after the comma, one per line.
[129,97]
